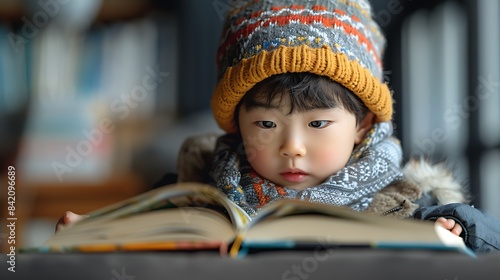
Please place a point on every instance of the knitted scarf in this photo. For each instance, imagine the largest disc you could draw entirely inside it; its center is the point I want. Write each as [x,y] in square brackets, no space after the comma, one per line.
[374,164]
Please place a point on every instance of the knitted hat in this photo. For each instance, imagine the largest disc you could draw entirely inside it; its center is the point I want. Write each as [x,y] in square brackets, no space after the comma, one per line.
[333,38]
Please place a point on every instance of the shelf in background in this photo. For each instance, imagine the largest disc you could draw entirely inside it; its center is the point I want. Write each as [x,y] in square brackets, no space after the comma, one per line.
[13,11]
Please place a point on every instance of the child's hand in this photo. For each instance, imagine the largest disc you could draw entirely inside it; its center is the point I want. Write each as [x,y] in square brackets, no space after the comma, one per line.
[68,218]
[450,225]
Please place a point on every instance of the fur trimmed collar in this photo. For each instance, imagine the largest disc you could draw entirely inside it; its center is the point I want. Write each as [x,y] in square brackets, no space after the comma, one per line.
[424,184]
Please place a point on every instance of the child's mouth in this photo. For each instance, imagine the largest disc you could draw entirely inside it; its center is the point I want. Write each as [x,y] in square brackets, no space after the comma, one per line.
[294,177]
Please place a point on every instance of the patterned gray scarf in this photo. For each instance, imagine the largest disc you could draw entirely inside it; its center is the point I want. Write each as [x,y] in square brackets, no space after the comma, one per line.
[374,164]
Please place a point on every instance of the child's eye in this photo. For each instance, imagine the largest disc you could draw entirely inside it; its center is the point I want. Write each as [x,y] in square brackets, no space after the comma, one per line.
[319,124]
[266,124]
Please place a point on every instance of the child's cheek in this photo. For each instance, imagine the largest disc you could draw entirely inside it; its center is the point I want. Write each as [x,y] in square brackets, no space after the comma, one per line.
[256,156]
[325,157]
[330,159]
[259,144]
[251,154]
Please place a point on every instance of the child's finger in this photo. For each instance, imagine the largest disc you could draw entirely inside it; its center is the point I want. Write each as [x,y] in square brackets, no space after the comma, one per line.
[71,217]
[450,225]
[68,218]
[445,223]
[457,229]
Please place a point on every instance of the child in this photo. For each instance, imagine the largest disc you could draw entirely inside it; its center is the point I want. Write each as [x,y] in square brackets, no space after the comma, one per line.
[301,96]
[307,116]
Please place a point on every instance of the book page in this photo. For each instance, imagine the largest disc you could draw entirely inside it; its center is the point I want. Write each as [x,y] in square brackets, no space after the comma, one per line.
[175,224]
[171,196]
[187,211]
[301,221]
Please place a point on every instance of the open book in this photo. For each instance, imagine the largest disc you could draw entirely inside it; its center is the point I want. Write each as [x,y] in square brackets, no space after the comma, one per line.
[193,216]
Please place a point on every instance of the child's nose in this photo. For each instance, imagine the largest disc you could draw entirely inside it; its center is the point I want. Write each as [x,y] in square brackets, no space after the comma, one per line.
[293,147]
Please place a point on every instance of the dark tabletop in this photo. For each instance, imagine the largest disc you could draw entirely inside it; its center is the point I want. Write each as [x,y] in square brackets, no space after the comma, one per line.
[301,265]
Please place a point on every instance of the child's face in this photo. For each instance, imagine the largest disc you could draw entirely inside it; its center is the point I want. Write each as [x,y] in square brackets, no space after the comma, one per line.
[301,149]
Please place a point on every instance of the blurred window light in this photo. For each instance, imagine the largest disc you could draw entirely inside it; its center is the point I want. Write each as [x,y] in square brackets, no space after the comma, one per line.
[434,80]
[490,193]
[489,71]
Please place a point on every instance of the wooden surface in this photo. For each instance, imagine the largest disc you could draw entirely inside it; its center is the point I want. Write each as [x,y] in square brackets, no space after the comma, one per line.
[50,201]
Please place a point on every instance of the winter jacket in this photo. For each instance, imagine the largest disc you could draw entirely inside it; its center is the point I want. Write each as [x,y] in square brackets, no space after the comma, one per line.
[481,232]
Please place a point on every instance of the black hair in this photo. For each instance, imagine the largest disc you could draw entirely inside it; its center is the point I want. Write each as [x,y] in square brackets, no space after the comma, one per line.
[306,91]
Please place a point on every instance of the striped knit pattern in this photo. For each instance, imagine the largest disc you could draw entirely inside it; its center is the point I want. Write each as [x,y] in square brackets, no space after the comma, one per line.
[332,38]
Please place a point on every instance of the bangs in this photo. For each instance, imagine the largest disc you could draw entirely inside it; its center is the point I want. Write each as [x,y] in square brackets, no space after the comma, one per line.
[305,92]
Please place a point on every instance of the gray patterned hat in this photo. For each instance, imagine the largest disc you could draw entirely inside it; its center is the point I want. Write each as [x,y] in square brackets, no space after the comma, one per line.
[333,38]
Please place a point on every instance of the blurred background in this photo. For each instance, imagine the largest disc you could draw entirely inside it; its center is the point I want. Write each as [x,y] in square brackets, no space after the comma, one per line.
[97,96]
